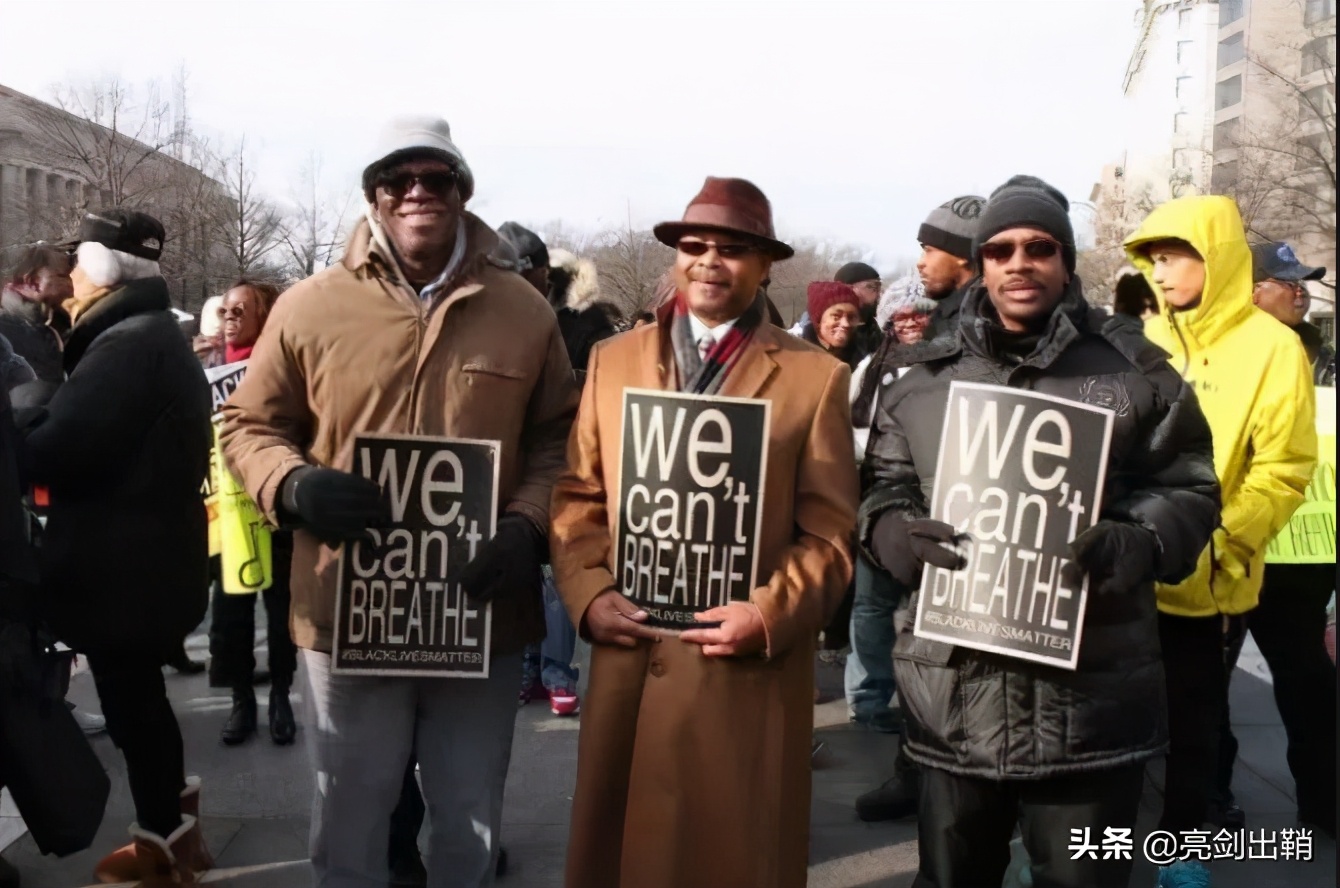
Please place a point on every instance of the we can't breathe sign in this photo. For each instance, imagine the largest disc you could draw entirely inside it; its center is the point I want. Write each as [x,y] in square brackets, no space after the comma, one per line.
[691,472]
[1021,474]
[396,610]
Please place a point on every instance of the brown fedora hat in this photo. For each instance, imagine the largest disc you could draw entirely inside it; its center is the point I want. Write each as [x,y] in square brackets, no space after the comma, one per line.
[733,205]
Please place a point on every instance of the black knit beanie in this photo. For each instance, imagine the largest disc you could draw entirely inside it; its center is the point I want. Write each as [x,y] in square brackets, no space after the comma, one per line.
[951,226]
[1028,202]
[855,272]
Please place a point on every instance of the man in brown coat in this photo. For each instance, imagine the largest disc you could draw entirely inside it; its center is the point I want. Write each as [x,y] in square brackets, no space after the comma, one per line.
[415,332]
[693,764]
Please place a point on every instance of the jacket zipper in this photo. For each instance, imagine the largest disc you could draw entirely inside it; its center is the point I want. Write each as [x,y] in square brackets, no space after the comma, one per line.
[414,371]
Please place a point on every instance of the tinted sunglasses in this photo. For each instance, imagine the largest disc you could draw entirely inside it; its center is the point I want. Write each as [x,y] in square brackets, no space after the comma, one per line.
[725,251]
[399,183]
[1040,248]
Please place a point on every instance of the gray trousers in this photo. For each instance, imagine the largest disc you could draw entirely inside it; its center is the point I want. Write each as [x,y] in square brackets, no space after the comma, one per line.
[361,732]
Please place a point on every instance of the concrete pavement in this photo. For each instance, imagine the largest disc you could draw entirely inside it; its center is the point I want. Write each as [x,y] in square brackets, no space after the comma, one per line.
[257,797]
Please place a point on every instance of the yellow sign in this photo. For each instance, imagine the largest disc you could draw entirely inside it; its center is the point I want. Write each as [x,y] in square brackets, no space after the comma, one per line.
[1309,537]
[244,538]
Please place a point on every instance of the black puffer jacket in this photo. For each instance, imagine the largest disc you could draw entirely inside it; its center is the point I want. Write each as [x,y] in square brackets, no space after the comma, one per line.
[123,450]
[983,715]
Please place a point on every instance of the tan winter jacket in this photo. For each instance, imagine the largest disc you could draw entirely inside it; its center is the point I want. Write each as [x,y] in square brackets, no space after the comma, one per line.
[351,350]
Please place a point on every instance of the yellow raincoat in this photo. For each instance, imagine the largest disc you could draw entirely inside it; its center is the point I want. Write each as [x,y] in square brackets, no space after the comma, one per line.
[1254,384]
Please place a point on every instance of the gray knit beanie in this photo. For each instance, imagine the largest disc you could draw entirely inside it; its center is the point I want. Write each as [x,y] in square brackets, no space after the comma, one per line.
[952,225]
[1028,202]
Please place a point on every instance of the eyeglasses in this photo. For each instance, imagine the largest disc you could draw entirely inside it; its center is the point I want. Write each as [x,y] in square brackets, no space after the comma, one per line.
[725,251]
[398,183]
[1001,251]
[237,311]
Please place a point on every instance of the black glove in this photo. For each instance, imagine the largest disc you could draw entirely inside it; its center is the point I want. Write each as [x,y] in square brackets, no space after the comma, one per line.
[903,545]
[510,562]
[1116,555]
[335,506]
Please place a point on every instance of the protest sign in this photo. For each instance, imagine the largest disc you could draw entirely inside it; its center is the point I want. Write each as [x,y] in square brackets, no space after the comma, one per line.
[246,564]
[222,381]
[398,610]
[1309,537]
[690,506]
[1021,474]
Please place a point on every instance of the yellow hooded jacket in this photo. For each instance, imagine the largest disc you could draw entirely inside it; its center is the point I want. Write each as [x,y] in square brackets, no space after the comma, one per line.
[1254,384]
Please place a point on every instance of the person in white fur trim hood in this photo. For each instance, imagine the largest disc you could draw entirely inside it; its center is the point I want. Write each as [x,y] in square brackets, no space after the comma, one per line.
[122,448]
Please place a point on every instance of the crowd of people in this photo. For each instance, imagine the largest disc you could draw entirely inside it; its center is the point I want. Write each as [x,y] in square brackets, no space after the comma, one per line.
[695,747]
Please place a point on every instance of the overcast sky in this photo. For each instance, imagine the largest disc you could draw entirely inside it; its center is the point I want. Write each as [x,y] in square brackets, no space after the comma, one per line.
[856,118]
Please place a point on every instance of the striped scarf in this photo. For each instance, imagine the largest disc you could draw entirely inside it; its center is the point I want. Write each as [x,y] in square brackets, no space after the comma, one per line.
[706,376]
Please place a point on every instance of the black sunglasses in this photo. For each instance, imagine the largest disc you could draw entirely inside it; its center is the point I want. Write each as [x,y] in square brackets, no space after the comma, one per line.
[1041,248]
[398,183]
[725,251]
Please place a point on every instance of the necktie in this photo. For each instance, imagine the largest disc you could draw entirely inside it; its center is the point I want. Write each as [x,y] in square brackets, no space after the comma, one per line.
[705,343]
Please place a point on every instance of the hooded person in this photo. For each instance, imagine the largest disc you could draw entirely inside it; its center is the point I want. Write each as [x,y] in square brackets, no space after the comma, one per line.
[693,762]
[416,332]
[123,448]
[584,315]
[1002,741]
[1255,387]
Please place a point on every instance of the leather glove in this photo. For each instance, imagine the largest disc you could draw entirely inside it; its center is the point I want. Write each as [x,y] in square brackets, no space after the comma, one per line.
[903,545]
[1117,556]
[509,562]
[335,506]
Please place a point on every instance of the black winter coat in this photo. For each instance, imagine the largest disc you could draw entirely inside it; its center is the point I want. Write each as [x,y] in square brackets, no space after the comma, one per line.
[123,451]
[979,714]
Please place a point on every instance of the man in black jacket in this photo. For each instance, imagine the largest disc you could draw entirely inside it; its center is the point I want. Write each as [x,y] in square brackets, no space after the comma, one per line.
[123,447]
[1004,741]
[31,317]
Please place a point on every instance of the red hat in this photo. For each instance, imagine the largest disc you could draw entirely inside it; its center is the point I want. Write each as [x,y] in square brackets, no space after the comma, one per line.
[823,295]
[733,205]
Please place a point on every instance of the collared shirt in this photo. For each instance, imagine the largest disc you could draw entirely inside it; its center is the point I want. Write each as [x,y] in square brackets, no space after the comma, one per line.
[700,329]
[453,264]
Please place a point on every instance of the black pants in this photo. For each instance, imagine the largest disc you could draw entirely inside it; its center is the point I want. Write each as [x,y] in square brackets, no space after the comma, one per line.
[142,725]
[1289,626]
[232,631]
[406,820]
[965,825]
[1194,665]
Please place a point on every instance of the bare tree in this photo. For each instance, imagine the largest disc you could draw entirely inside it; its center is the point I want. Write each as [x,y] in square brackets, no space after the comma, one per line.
[1282,171]
[250,227]
[313,230]
[193,207]
[814,261]
[630,262]
[1116,216]
[118,154]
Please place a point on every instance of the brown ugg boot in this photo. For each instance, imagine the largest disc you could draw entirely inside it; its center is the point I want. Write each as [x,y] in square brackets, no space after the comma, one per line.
[162,861]
[123,864]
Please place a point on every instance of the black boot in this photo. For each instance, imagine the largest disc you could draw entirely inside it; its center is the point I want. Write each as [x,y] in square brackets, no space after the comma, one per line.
[183,664]
[282,728]
[242,722]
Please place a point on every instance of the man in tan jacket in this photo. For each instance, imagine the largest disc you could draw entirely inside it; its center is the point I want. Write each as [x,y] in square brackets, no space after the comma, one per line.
[415,332]
[693,764]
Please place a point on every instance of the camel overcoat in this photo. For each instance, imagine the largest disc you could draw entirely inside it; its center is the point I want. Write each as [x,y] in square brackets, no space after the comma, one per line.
[695,771]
